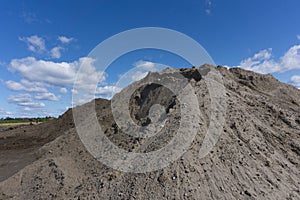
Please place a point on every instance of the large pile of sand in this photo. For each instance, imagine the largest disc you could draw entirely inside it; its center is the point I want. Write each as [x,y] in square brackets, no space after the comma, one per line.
[257,155]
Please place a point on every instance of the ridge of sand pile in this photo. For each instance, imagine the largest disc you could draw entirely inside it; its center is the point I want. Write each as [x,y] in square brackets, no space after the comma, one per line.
[256,157]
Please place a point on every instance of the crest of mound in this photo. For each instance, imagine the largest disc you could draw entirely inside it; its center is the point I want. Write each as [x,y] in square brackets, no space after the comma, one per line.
[151,93]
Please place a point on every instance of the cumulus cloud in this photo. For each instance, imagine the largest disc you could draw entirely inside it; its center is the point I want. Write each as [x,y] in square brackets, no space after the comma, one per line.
[58,73]
[25,85]
[74,91]
[5,113]
[19,98]
[35,44]
[38,75]
[54,73]
[24,100]
[88,76]
[296,80]
[32,104]
[26,109]
[65,40]
[86,91]
[262,61]
[138,75]
[107,90]
[82,99]
[145,65]
[56,52]
[140,70]
[46,96]
[63,90]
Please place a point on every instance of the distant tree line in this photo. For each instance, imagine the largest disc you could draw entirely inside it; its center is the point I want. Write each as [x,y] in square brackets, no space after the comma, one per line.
[25,119]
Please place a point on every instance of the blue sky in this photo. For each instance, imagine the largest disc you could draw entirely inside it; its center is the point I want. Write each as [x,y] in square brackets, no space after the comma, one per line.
[42,43]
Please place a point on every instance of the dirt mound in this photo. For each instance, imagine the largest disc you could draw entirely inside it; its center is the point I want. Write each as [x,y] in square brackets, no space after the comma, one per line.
[256,156]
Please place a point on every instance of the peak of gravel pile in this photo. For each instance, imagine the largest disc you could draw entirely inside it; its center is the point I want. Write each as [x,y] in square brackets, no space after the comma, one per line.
[257,155]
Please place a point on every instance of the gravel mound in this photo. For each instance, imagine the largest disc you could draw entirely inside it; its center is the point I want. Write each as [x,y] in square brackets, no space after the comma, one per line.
[257,155]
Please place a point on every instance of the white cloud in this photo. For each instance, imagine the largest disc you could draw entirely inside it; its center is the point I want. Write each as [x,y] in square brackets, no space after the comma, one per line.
[296,80]
[138,75]
[54,73]
[298,37]
[82,99]
[19,98]
[55,52]
[24,100]
[262,61]
[74,91]
[9,113]
[26,85]
[145,65]
[46,96]
[64,39]
[291,59]
[63,90]
[58,73]
[88,76]
[32,104]
[27,109]
[142,68]
[34,43]
[107,90]
[5,113]
[86,82]
[37,44]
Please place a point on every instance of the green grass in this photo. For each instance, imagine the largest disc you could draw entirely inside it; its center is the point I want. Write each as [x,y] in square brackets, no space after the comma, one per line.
[12,121]
[20,120]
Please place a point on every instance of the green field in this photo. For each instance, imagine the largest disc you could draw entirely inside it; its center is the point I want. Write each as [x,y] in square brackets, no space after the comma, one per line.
[10,122]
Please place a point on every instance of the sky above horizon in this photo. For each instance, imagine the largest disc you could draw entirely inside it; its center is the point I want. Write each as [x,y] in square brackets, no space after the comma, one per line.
[43,44]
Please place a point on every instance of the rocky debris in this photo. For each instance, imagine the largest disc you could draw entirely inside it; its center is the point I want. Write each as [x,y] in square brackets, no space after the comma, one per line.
[256,156]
